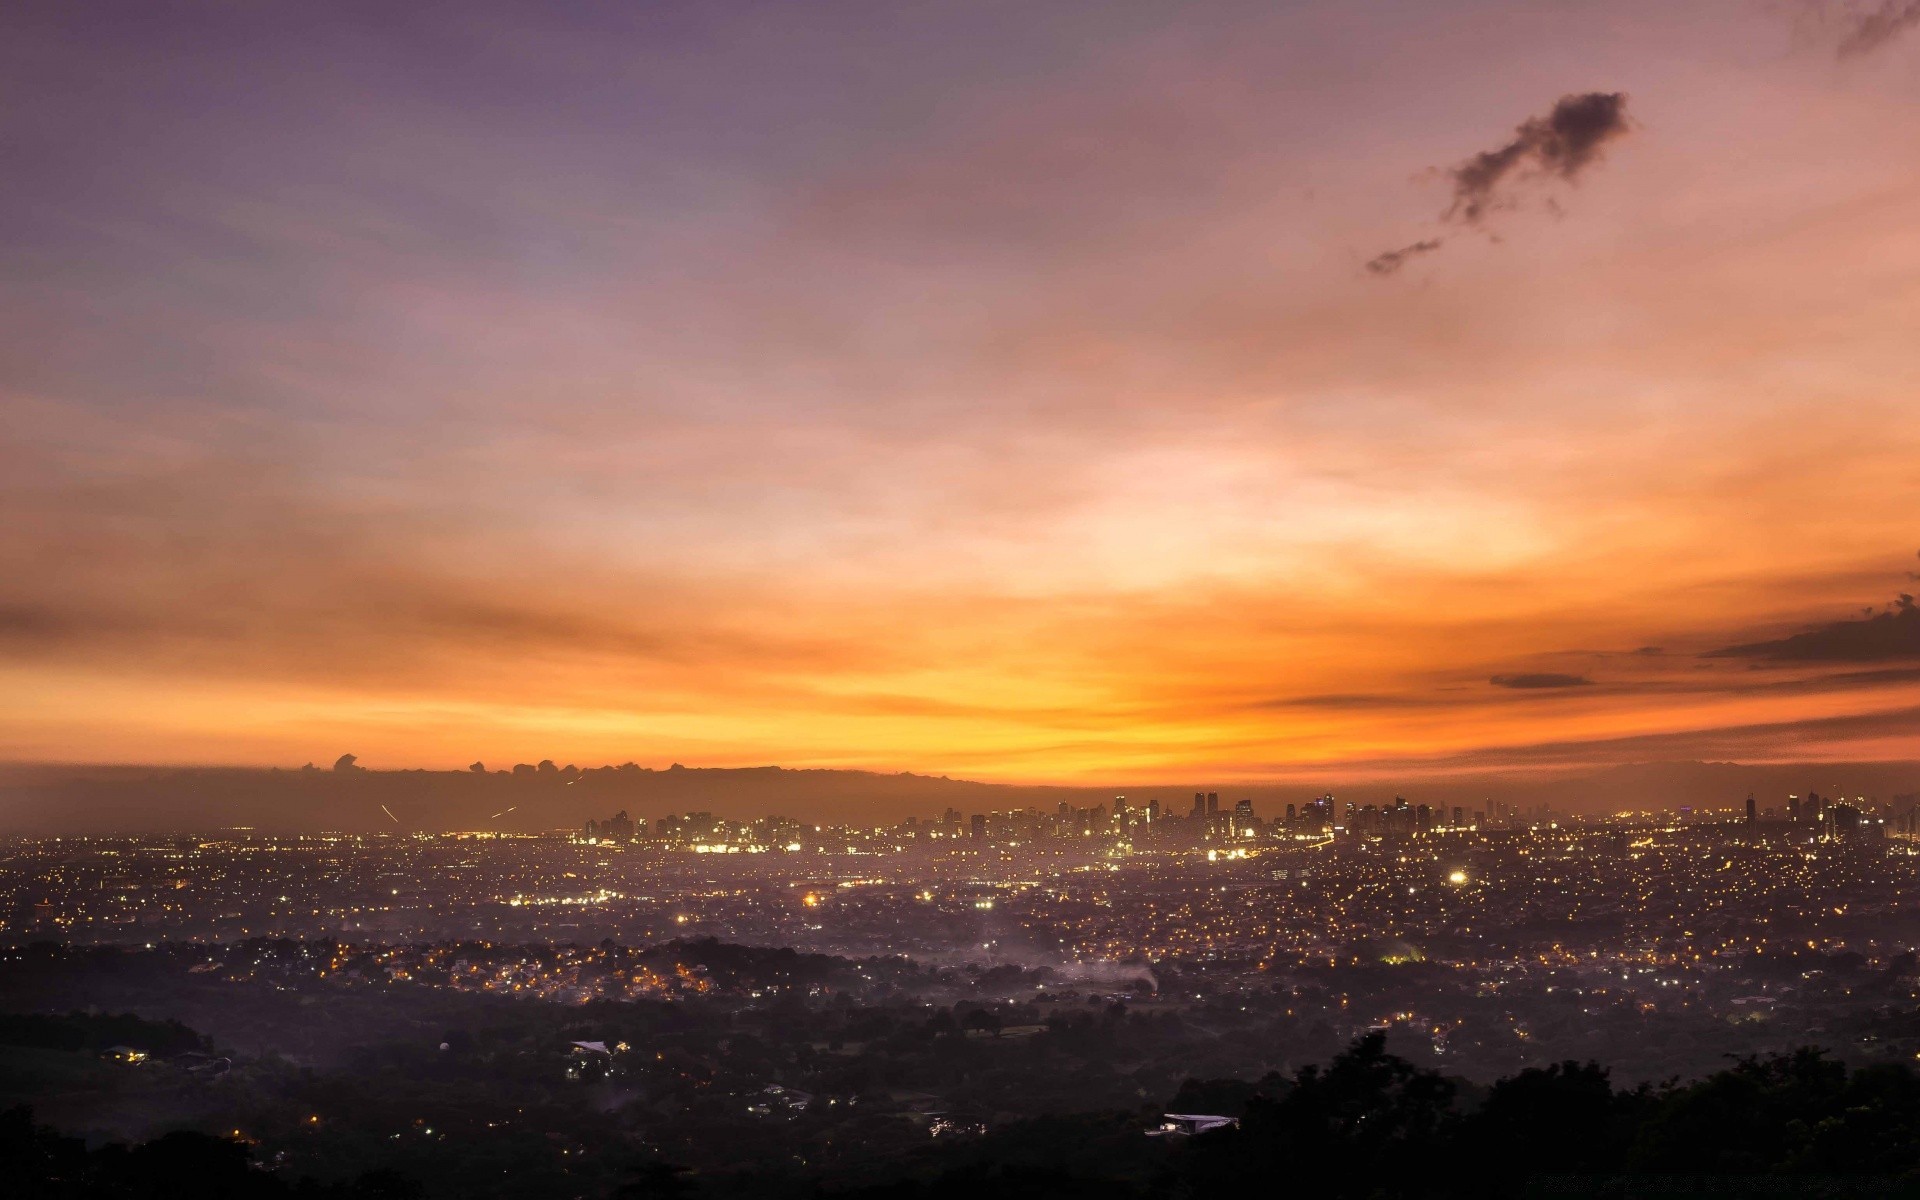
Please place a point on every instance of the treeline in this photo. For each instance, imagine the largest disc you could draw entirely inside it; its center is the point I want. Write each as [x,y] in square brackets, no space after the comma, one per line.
[98,1031]
[1373,1125]
[41,1164]
[1368,1125]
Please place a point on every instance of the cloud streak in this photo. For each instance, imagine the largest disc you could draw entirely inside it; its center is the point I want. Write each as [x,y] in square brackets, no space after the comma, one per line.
[1388,262]
[1540,680]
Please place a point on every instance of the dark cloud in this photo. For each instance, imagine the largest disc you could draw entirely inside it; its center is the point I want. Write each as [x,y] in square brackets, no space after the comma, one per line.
[1868,30]
[1769,739]
[1389,261]
[1540,680]
[1887,636]
[1559,145]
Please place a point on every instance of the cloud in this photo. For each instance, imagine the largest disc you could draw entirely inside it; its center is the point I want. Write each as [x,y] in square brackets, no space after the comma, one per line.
[1560,145]
[1540,680]
[1867,31]
[1389,261]
[1887,636]
[1346,700]
[1753,741]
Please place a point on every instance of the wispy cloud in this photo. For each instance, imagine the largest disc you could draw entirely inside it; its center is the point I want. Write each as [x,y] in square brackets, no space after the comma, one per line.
[1389,261]
[1864,30]
[1544,679]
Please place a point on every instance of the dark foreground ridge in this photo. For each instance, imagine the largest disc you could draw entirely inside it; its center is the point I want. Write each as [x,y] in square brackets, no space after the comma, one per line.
[285,1069]
[1367,1124]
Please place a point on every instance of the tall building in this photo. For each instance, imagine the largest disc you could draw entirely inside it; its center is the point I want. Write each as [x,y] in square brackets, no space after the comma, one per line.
[617,828]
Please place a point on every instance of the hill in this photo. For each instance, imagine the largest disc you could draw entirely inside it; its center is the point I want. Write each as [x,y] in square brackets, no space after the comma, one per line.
[529,798]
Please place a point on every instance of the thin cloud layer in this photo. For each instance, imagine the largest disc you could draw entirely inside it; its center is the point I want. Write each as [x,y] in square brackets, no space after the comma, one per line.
[1544,679]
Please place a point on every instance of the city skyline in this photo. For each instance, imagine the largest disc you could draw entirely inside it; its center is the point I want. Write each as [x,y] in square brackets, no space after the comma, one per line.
[1070,395]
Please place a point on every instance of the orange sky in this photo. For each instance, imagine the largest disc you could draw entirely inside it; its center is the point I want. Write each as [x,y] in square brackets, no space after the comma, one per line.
[994,391]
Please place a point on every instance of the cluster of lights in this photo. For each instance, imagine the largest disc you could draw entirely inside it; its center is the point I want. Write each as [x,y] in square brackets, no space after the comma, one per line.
[599,897]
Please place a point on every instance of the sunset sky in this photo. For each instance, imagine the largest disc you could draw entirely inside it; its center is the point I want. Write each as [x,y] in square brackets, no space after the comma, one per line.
[1027,392]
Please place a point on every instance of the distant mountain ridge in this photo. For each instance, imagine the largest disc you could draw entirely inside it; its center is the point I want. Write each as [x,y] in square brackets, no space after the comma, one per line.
[53,799]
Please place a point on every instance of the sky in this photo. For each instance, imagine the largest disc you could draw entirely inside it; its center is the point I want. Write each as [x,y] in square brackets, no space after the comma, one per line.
[1031,393]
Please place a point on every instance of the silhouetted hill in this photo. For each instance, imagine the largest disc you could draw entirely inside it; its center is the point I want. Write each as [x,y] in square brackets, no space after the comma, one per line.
[76,799]
[127,799]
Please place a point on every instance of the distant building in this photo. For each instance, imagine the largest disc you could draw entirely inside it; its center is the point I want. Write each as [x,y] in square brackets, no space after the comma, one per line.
[617,828]
[1245,824]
